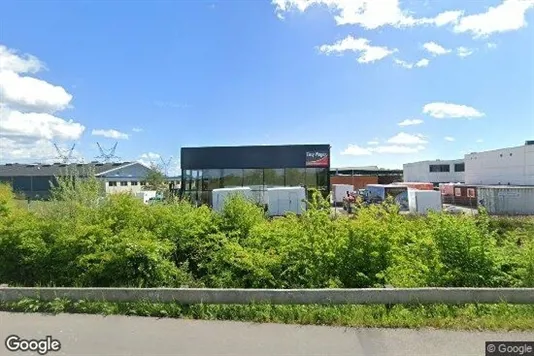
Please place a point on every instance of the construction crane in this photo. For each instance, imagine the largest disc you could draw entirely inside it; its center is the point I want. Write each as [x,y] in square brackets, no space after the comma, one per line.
[64,155]
[106,155]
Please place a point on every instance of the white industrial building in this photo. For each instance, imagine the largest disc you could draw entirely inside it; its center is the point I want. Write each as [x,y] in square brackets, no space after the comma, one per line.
[437,171]
[507,166]
[124,177]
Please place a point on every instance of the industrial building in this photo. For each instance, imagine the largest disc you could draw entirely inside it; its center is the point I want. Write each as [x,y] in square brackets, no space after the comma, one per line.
[360,177]
[35,180]
[508,166]
[258,167]
[437,171]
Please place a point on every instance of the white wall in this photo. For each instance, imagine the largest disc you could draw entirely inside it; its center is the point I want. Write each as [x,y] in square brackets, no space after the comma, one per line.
[420,172]
[123,189]
[514,166]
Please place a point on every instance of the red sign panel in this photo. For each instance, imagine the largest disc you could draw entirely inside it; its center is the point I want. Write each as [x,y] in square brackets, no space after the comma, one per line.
[317,159]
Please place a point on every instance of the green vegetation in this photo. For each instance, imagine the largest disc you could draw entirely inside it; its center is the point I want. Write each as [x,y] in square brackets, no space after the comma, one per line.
[469,317]
[82,239]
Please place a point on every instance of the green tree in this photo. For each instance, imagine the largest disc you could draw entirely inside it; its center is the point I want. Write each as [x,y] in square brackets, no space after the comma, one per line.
[156,180]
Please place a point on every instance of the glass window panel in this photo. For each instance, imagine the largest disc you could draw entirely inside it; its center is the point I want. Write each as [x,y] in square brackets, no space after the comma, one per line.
[274,177]
[252,177]
[187,180]
[311,177]
[232,178]
[211,179]
[295,177]
[322,178]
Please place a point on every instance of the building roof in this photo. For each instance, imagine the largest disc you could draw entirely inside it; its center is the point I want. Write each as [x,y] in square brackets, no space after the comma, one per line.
[365,170]
[56,169]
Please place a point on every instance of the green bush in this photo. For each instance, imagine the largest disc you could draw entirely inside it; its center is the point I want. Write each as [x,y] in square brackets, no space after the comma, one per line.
[83,239]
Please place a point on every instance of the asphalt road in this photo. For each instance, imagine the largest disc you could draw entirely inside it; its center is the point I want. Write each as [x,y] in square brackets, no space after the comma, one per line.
[120,335]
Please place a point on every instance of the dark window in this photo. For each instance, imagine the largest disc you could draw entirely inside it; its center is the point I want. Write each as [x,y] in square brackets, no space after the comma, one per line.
[459,167]
[112,184]
[252,177]
[434,168]
[211,179]
[143,183]
[295,177]
[311,177]
[124,184]
[274,177]
[232,178]
[134,183]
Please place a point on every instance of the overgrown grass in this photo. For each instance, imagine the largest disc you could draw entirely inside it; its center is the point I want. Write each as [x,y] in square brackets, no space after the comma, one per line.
[468,317]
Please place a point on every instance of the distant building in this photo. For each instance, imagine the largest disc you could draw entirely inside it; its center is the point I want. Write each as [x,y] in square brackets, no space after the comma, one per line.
[507,166]
[438,171]
[258,167]
[360,177]
[34,180]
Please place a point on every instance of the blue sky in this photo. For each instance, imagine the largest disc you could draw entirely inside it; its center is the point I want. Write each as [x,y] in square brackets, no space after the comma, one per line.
[156,76]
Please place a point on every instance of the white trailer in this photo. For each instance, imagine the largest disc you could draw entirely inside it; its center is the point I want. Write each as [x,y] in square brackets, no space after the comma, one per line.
[145,195]
[339,192]
[423,201]
[219,196]
[282,200]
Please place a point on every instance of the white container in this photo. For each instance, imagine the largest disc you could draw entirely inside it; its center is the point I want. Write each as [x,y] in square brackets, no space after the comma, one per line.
[259,194]
[219,196]
[507,200]
[423,201]
[282,200]
[145,195]
[339,192]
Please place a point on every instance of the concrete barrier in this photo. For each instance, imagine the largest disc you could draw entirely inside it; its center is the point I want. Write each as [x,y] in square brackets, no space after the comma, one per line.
[278,296]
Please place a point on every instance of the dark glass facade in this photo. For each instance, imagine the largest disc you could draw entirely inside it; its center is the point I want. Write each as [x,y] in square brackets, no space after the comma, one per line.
[258,167]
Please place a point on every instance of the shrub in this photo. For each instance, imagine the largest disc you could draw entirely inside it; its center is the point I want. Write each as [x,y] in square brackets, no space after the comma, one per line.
[82,239]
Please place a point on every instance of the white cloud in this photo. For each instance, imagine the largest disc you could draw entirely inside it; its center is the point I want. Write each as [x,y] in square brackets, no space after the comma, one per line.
[367,52]
[149,159]
[37,126]
[410,122]
[441,110]
[447,17]
[355,150]
[110,134]
[491,45]
[464,51]
[398,149]
[403,64]
[407,139]
[12,61]
[28,122]
[150,155]
[422,63]
[373,143]
[449,138]
[137,129]
[436,49]
[480,140]
[507,16]
[31,151]
[369,14]
[30,94]
[373,14]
